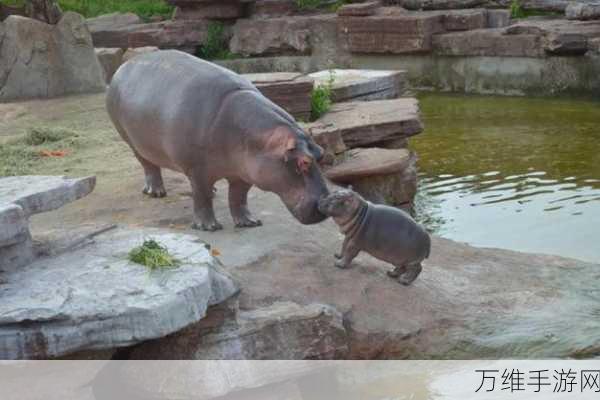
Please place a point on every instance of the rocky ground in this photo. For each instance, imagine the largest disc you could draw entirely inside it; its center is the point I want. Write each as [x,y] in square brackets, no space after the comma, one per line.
[468,302]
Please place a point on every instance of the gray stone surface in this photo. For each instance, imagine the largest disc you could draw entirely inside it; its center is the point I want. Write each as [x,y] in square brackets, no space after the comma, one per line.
[136,51]
[497,18]
[42,60]
[110,59]
[361,84]
[109,22]
[583,11]
[94,298]
[37,194]
[13,225]
[282,330]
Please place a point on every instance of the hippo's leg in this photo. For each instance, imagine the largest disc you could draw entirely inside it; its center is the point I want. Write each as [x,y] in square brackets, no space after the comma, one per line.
[154,186]
[202,193]
[412,272]
[349,252]
[238,204]
[397,271]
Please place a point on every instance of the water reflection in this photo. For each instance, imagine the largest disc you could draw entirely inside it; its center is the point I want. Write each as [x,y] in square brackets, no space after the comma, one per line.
[516,173]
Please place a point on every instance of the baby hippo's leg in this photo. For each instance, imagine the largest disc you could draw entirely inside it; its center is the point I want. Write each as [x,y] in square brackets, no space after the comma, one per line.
[411,273]
[349,252]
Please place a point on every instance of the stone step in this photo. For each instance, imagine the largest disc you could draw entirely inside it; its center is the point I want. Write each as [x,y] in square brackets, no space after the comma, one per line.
[362,84]
[94,298]
[289,90]
[368,123]
[23,196]
[383,176]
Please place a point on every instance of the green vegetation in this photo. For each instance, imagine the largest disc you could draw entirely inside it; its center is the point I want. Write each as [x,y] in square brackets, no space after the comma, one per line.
[308,4]
[93,8]
[320,98]
[516,10]
[215,46]
[153,255]
[19,156]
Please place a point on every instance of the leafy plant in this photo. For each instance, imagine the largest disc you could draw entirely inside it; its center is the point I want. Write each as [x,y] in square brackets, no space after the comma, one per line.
[516,10]
[153,255]
[215,46]
[320,98]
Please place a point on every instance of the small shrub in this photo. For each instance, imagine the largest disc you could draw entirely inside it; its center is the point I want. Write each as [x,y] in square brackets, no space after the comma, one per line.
[516,10]
[215,46]
[335,6]
[320,98]
[41,135]
[153,255]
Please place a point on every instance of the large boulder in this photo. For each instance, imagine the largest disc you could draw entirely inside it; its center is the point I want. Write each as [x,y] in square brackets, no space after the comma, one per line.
[488,42]
[94,298]
[110,59]
[42,60]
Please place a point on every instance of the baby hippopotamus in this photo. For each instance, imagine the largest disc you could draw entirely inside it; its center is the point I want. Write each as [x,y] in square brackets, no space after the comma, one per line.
[387,233]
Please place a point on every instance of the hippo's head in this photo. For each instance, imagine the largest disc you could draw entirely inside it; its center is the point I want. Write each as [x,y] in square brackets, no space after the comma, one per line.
[287,165]
[341,203]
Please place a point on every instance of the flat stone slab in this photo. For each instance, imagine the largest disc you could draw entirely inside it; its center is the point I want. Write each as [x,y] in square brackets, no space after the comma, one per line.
[361,84]
[37,194]
[94,298]
[363,163]
[369,123]
[583,11]
[289,90]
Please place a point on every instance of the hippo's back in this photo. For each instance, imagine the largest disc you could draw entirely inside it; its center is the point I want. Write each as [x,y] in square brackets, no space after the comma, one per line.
[162,101]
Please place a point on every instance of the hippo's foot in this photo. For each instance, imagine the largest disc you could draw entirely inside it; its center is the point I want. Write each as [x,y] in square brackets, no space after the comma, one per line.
[341,264]
[410,275]
[247,222]
[396,272]
[207,226]
[154,190]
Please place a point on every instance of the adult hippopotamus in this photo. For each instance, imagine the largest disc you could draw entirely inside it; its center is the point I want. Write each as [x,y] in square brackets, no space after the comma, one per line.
[179,112]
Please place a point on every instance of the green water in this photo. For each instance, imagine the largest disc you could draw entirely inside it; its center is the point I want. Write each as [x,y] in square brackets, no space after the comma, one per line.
[515,173]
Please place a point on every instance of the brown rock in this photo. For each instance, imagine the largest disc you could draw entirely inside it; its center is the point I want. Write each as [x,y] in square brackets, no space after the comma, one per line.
[111,30]
[488,42]
[358,9]
[465,20]
[497,18]
[136,51]
[283,330]
[382,176]
[272,8]
[360,84]
[390,32]
[289,90]
[110,59]
[583,11]
[371,123]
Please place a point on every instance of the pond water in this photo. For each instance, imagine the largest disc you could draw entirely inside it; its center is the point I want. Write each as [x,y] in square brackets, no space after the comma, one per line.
[514,173]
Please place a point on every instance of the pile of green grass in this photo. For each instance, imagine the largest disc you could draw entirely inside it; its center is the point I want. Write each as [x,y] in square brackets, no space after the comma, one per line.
[93,8]
[320,98]
[19,156]
[153,255]
[215,47]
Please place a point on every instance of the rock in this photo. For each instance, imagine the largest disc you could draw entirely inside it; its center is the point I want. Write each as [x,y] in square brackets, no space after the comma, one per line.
[358,9]
[110,59]
[370,123]
[110,22]
[389,31]
[47,11]
[272,36]
[488,42]
[282,330]
[497,18]
[93,298]
[218,10]
[272,8]
[382,176]
[360,84]
[42,60]
[24,196]
[583,11]
[440,4]
[594,46]
[289,90]
[184,35]
[131,53]
[465,20]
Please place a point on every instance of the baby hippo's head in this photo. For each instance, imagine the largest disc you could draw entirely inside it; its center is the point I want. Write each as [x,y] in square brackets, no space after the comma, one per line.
[340,203]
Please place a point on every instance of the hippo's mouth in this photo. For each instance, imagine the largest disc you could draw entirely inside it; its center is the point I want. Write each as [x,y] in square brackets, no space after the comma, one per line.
[307,211]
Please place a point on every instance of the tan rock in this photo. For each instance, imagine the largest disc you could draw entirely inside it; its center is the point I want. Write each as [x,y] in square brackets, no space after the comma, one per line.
[223,9]
[358,9]
[272,8]
[136,51]
[110,59]
[488,42]
[361,84]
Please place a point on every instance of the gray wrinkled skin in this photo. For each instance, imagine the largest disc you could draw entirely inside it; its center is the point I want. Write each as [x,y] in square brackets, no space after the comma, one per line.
[179,112]
[387,233]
